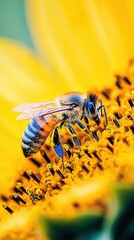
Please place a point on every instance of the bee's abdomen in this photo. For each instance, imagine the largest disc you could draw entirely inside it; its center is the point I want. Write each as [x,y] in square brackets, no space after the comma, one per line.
[36,133]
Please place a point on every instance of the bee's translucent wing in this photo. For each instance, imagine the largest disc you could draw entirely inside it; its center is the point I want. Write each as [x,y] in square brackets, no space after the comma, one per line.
[38,112]
[34,105]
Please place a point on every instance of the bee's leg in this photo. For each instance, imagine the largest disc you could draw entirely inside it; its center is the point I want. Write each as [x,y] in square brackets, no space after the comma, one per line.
[73,133]
[105,114]
[82,126]
[100,110]
[86,121]
[100,107]
[57,144]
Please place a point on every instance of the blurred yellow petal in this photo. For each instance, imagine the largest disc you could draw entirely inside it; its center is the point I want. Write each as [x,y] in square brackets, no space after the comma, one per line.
[11,157]
[23,219]
[23,77]
[85,41]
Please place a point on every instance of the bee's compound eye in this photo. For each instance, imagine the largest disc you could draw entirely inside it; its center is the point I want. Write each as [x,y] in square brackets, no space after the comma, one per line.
[90,105]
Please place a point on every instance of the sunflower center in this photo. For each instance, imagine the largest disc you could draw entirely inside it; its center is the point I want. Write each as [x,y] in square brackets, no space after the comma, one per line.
[103,153]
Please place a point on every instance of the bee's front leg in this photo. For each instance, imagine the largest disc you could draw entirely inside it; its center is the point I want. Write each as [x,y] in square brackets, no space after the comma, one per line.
[100,110]
[86,121]
[81,125]
[73,133]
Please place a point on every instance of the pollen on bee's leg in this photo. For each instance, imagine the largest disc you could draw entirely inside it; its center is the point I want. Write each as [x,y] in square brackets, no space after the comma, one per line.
[8,209]
[35,162]
[44,155]
[32,175]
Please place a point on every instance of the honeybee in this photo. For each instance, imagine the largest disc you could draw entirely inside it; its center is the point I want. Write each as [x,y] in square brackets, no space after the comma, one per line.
[47,117]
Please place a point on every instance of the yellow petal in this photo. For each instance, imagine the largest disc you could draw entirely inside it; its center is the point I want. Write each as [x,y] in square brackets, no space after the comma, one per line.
[23,219]
[23,77]
[11,156]
[85,41]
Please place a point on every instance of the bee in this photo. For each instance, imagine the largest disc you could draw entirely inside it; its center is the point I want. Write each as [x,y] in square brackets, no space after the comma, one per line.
[48,117]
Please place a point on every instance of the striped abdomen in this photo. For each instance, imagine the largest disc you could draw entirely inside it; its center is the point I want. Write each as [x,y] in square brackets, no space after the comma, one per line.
[36,133]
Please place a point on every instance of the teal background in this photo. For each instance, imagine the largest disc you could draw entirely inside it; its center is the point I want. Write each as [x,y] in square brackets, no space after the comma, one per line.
[13,22]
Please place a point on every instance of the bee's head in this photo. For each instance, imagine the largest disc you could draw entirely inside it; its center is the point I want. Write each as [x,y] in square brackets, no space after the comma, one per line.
[92,111]
[90,107]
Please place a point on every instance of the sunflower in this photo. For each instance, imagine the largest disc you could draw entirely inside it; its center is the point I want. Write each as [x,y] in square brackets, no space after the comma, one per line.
[48,48]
